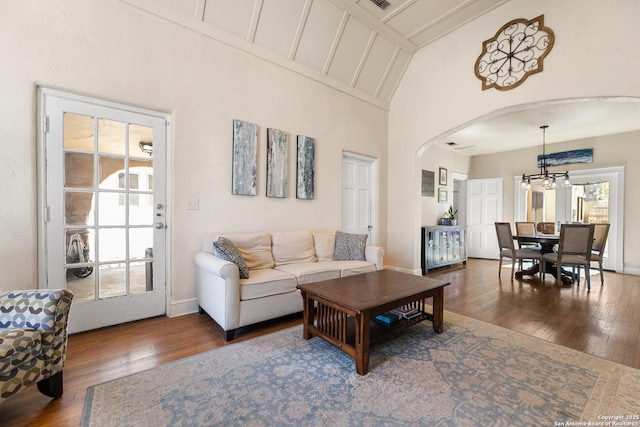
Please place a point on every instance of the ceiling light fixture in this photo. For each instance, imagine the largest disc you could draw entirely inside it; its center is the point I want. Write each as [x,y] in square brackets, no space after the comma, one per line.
[548,178]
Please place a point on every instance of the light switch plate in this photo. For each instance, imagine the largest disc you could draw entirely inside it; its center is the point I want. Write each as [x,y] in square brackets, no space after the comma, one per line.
[193,204]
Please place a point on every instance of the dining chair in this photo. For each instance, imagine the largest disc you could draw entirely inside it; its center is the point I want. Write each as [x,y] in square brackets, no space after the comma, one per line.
[600,234]
[574,249]
[526,229]
[508,248]
[546,227]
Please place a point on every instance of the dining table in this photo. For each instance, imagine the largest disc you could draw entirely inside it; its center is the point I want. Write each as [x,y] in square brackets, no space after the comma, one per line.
[547,243]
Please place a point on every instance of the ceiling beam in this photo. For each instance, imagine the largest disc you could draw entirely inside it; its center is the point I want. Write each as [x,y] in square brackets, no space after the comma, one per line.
[374,23]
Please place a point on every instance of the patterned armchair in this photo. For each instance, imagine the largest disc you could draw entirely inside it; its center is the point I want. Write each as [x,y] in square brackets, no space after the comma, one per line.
[33,340]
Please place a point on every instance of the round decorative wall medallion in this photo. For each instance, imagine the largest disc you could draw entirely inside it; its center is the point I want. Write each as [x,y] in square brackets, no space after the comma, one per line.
[514,53]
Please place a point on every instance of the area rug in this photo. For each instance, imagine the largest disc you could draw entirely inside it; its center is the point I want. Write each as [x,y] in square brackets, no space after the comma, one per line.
[474,374]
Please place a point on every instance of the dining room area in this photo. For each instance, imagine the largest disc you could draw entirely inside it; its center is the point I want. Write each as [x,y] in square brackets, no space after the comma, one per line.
[568,255]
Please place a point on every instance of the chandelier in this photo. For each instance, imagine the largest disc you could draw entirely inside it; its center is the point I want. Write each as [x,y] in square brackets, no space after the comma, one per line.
[548,178]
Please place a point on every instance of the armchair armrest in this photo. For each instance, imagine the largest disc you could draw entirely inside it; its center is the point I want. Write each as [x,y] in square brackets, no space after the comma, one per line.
[374,254]
[46,310]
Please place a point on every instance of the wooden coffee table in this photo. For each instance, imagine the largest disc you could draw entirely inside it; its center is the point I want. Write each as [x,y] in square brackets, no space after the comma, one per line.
[342,311]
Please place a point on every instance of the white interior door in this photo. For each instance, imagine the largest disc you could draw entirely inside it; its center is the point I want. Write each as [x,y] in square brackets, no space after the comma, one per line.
[358,196]
[484,208]
[103,222]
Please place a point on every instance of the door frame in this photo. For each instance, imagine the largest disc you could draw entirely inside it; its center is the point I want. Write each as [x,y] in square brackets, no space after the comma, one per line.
[615,175]
[42,125]
[373,163]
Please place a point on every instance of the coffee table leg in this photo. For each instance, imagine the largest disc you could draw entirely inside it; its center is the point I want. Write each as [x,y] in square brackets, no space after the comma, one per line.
[307,315]
[362,342]
[438,311]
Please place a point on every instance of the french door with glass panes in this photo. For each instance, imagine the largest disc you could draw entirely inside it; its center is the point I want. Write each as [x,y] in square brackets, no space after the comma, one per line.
[103,217]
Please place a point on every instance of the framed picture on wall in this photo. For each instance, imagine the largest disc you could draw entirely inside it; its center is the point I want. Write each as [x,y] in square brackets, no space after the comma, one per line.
[428,183]
[442,194]
[443,176]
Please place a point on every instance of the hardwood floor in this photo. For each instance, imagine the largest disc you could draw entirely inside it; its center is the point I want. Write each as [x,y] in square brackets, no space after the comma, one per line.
[604,322]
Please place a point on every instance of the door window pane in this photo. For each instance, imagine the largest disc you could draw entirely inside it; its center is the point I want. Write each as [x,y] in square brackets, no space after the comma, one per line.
[78,132]
[79,246]
[541,204]
[111,137]
[140,277]
[78,170]
[83,286]
[112,280]
[140,243]
[78,208]
[112,244]
[110,169]
[590,202]
[111,212]
[140,141]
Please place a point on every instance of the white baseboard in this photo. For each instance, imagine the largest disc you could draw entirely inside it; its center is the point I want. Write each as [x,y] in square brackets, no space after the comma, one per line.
[631,270]
[404,270]
[182,307]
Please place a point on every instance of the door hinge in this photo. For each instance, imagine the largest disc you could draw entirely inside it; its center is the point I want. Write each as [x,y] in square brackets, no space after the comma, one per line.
[45,124]
[46,214]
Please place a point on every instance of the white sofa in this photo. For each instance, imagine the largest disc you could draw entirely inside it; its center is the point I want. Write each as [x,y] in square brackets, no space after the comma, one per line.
[278,262]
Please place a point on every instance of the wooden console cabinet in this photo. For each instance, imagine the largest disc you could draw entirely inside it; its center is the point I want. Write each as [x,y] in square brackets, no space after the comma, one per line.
[442,245]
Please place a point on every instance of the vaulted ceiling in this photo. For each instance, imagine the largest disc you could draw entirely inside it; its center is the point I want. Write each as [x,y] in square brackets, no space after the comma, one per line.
[359,46]
[363,47]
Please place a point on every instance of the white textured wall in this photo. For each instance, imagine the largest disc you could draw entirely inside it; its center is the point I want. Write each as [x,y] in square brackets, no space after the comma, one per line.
[592,56]
[433,159]
[107,49]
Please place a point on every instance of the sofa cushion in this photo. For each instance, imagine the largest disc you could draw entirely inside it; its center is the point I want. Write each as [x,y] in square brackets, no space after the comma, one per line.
[228,251]
[292,246]
[18,346]
[349,268]
[266,281]
[255,249]
[349,247]
[324,244]
[309,272]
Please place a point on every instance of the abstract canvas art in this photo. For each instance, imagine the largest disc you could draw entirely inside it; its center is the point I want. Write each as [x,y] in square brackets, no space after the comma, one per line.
[245,158]
[305,185]
[584,155]
[277,143]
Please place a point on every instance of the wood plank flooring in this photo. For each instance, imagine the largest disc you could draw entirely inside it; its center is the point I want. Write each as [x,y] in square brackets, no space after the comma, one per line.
[604,322]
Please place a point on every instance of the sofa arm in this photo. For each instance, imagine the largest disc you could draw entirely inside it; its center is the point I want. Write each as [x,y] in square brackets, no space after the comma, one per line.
[374,254]
[218,284]
[215,265]
[46,310]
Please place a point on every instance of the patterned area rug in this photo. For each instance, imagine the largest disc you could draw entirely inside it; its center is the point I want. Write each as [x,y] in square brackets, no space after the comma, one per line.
[473,374]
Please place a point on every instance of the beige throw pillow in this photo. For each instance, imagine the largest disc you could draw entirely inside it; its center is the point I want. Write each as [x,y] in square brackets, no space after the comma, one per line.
[255,249]
[324,244]
[292,247]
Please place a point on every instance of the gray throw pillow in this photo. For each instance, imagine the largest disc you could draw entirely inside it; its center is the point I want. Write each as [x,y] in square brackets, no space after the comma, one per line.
[349,247]
[228,251]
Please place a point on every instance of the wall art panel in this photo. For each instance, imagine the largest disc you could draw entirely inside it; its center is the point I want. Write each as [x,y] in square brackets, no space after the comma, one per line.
[245,158]
[277,143]
[305,180]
